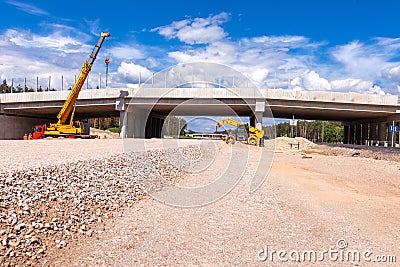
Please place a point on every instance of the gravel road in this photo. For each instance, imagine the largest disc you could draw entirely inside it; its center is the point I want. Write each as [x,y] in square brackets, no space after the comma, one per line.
[325,201]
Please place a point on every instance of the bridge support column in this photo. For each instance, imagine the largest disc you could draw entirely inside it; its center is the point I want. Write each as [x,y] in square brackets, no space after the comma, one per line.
[358,134]
[346,134]
[351,133]
[392,135]
[122,126]
[382,133]
[121,106]
[398,133]
[134,123]
[258,116]
[365,131]
[252,120]
[373,134]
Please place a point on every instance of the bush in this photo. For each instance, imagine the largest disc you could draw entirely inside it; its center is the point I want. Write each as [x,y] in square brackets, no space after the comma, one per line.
[113,129]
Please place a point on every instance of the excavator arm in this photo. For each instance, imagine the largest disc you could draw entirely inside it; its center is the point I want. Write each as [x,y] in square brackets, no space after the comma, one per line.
[68,106]
[228,121]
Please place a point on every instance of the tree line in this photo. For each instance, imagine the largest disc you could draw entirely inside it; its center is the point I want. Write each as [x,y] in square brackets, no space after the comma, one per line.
[5,88]
[316,131]
[174,126]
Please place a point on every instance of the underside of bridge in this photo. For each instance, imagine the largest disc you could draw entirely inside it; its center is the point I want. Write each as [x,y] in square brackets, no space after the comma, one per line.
[361,126]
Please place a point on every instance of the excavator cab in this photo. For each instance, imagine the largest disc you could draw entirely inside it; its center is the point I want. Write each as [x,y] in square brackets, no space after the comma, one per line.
[242,132]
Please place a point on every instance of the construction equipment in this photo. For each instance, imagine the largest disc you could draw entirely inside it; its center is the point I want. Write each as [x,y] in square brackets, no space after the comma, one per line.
[243,132]
[66,126]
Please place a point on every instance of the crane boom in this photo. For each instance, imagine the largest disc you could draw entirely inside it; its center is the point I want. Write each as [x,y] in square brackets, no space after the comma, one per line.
[68,106]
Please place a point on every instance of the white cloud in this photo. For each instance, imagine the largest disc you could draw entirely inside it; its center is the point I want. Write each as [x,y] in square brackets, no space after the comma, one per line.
[56,54]
[130,73]
[30,9]
[310,80]
[370,61]
[54,41]
[259,75]
[392,74]
[94,26]
[356,85]
[196,31]
[127,52]
[360,60]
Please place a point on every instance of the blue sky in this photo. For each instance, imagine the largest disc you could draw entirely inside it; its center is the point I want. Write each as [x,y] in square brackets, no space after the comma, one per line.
[316,45]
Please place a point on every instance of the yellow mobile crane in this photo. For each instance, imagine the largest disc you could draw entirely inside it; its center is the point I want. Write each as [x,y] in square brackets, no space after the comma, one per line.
[73,128]
[243,132]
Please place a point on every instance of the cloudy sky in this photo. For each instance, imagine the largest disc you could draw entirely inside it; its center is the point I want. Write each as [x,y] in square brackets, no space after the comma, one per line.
[341,45]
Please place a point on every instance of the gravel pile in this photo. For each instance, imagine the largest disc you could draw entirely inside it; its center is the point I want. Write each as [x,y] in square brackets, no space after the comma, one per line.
[373,152]
[47,207]
[286,143]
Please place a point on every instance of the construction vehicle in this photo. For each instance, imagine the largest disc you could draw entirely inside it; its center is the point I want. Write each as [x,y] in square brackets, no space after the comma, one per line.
[243,132]
[66,126]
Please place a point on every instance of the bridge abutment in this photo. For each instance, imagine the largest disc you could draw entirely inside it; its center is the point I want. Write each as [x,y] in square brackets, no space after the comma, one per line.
[14,127]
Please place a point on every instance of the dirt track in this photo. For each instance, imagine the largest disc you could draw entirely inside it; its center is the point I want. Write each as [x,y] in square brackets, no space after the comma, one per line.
[305,204]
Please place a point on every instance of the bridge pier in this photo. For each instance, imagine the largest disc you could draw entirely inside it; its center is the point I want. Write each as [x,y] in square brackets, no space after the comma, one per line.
[357,140]
[382,133]
[351,134]
[373,134]
[133,123]
[258,116]
[392,137]
[346,134]
[365,133]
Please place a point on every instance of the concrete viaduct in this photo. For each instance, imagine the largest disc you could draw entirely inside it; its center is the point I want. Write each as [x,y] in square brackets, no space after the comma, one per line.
[366,117]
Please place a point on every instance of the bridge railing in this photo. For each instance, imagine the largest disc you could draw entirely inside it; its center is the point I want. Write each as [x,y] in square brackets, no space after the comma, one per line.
[340,97]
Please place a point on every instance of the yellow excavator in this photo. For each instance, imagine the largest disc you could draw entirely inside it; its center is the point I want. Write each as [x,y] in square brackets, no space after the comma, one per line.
[66,126]
[243,132]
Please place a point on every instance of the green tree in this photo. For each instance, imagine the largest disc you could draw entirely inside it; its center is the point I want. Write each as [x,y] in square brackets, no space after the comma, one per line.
[113,123]
[316,131]
[4,88]
[19,89]
[174,126]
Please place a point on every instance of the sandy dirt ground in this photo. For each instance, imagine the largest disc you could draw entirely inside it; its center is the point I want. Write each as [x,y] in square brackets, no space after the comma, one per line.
[322,202]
